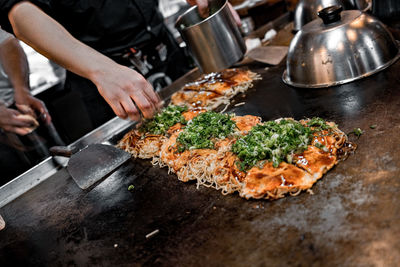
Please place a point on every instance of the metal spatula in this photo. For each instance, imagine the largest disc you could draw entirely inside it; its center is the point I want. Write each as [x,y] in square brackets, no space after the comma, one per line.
[92,163]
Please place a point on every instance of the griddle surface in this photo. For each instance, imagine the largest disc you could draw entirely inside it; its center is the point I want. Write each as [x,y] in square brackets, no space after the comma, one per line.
[352,218]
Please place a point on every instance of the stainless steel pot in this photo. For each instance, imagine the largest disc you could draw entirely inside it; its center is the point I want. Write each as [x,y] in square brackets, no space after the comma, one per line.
[340,48]
[307,10]
[215,42]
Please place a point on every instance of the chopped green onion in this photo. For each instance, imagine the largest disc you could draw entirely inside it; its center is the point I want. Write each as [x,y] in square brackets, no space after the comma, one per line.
[202,131]
[357,132]
[275,141]
[168,117]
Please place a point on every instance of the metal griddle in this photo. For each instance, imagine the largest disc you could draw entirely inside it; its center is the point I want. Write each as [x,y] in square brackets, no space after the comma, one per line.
[353,218]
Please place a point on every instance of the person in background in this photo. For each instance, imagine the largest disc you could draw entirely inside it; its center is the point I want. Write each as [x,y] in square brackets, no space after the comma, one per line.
[14,88]
[96,41]
[20,112]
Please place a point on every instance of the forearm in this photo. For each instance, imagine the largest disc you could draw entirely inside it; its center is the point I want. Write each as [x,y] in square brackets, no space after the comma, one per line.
[15,64]
[120,86]
[48,37]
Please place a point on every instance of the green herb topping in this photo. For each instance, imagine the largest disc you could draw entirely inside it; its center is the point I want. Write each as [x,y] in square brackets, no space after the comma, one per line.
[275,141]
[357,132]
[131,187]
[168,117]
[202,131]
[318,124]
[373,126]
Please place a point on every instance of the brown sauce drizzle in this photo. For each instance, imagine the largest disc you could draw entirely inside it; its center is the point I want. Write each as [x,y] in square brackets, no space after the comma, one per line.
[224,76]
[238,174]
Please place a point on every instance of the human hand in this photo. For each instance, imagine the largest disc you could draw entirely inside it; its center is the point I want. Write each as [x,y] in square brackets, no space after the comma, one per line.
[14,121]
[204,12]
[235,15]
[30,105]
[202,5]
[125,90]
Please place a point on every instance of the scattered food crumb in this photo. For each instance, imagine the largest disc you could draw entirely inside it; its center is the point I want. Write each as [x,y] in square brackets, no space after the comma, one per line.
[357,132]
[152,233]
[225,108]
[310,191]
[240,104]
[115,245]
[214,208]
[256,206]
[131,187]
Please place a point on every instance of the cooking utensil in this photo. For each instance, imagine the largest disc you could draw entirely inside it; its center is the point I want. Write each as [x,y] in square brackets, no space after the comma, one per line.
[215,42]
[272,55]
[92,163]
[307,10]
[343,47]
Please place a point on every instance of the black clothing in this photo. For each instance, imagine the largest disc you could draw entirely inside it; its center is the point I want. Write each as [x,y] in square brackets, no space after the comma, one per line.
[128,31]
[108,26]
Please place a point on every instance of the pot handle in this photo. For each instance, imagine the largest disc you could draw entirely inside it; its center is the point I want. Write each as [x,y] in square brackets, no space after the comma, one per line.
[330,14]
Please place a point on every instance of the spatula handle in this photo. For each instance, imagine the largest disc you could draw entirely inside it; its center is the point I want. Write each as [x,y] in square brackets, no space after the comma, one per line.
[63,151]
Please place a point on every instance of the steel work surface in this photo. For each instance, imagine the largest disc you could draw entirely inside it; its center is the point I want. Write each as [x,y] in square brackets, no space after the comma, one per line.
[352,219]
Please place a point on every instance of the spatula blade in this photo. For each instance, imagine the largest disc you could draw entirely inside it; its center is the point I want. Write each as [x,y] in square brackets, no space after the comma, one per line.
[95,162]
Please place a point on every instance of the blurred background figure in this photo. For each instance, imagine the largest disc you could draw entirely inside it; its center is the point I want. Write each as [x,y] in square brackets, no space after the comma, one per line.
[20,112]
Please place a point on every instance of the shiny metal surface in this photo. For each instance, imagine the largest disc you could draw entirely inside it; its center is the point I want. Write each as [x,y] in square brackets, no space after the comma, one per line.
[322,55]
[52,165]
[95,162]
[215,42]
[307,10]
[352,218]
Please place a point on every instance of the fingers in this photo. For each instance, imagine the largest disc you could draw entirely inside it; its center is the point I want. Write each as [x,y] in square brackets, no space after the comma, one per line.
[39,106]
[24,120]
[117,108]
[128,93]
[152,96]
[202,5]
[147,108]
[130,109]
[26,109]
[151,100]
[235,15]
[18,123]
[19,130]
